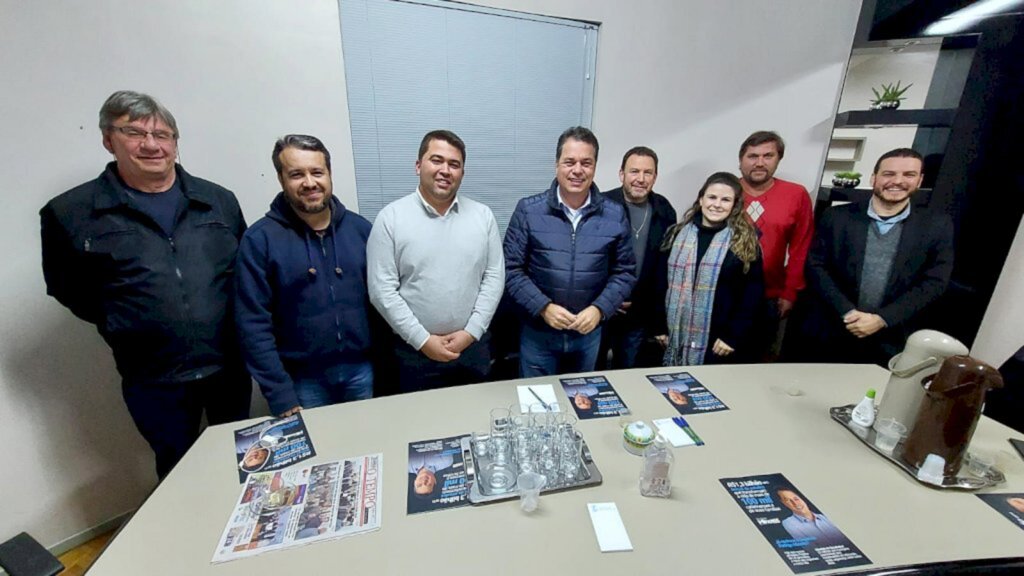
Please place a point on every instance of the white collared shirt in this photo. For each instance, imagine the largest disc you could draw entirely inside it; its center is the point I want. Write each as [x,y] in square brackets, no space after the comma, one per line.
[573,215]
[454,207]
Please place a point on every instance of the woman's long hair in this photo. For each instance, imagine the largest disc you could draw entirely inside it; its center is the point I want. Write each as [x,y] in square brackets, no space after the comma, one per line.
[744,236]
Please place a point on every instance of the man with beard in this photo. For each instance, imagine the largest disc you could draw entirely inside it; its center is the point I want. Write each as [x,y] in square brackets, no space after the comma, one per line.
[301,299]
[874,268]
[782,212]
[436,272]
[642,316]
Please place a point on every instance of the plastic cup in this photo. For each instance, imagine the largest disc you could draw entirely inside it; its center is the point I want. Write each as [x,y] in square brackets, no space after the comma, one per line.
[888,433]
[980,463]
[932,470]
[530,485]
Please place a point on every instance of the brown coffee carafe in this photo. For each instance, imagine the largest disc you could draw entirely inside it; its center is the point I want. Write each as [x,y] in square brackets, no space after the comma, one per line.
[950,411]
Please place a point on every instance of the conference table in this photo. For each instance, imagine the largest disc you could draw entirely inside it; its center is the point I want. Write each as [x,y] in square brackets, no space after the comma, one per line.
[777,422]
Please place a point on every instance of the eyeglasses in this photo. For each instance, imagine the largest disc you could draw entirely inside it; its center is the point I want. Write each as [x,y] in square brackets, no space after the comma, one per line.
[138,135]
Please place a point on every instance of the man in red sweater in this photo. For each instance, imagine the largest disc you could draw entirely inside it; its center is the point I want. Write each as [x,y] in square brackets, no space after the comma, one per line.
[782,212]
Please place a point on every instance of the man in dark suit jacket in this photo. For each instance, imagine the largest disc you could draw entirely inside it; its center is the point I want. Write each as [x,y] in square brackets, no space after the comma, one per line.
[873,269]
[642,316]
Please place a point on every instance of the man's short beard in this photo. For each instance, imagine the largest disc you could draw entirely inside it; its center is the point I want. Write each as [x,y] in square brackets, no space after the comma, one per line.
[880,195]
[767,178]
[305,209]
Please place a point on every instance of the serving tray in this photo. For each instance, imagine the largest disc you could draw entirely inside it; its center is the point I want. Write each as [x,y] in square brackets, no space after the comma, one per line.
[589,476]
[962,481]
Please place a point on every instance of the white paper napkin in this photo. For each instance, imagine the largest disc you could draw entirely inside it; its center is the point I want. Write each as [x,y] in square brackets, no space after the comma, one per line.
[673,433]
[608,527]
[546,393]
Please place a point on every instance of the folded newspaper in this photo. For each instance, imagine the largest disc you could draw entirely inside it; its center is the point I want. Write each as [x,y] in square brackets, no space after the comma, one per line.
[298,506]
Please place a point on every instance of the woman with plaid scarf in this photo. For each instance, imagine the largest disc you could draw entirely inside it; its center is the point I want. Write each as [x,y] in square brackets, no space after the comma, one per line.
[715,279]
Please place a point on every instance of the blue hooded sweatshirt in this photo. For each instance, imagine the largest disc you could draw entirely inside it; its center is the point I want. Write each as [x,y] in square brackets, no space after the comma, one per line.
[301,304]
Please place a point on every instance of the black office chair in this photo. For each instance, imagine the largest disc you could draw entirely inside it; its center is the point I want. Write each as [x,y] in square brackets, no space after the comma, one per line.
[24,556]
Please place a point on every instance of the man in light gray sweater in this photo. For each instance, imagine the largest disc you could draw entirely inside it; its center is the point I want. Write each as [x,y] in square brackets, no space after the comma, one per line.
[436,271]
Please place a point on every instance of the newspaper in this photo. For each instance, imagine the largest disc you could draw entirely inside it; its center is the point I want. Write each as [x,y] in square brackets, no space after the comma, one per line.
[298,506]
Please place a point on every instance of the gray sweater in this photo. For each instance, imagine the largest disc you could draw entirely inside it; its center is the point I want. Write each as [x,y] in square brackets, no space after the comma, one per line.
[432,274]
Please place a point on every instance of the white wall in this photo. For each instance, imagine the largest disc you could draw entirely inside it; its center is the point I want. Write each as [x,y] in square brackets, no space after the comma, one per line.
[1000,335]
[691,79]
[870,70]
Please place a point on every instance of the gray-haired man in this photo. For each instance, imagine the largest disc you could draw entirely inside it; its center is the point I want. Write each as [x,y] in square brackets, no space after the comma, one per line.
[146,252]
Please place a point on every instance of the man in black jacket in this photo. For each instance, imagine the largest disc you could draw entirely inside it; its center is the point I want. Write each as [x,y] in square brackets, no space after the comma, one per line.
[146,253]
[874,269]
[641,318]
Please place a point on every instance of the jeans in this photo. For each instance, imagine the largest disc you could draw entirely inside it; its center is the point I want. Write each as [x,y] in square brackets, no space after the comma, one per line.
[416,372]
[340,383]
[624,341]
[546,351]
[169,414]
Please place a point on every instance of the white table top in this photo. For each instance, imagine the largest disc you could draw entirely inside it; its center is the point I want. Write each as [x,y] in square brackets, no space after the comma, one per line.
[892,518]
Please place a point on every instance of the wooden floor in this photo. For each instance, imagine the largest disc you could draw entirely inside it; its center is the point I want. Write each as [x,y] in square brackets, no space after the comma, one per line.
[77,560]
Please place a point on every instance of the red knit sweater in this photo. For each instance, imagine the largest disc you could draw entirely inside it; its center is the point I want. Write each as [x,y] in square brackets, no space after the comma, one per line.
[785,218]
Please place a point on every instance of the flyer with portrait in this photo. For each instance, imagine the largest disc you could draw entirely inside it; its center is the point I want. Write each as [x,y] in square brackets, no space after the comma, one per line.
[686,394]
[437,475]
[1010,506]
[272,445]
[298,506]
[802,535]
[593,397]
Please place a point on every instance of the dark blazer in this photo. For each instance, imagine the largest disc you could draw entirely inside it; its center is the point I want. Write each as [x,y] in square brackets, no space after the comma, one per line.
[920,274]
[648,308]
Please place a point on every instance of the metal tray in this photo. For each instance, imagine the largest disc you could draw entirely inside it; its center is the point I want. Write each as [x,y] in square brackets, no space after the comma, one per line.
[962,481]
[591,477]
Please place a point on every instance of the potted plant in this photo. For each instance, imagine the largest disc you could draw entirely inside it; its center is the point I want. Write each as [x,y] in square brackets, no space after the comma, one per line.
[890,96]
[846,179]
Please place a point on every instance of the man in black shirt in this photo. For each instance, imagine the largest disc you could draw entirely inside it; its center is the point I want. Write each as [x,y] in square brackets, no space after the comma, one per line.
[146,253]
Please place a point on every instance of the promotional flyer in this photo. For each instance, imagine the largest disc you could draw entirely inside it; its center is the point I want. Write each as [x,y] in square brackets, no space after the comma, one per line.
[272,445]
[801,533]
[593,397]
[686,394]
[437,475]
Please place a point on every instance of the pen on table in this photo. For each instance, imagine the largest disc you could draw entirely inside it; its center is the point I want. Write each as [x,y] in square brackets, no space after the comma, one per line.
[539,399]
[681,422]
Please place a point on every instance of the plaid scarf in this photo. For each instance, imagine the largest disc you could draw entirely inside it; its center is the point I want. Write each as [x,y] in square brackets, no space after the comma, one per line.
[691,294]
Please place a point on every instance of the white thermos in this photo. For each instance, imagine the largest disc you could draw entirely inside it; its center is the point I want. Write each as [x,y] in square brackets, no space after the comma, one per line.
[921,358]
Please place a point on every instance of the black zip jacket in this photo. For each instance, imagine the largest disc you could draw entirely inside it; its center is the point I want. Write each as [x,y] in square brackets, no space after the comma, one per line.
[162,303]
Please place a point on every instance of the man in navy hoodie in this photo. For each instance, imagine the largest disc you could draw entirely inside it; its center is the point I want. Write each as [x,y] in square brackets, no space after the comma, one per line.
[301,301]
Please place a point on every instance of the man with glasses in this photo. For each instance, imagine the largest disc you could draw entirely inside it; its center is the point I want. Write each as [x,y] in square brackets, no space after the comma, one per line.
[146,253]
